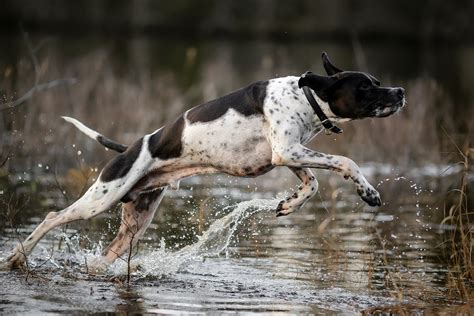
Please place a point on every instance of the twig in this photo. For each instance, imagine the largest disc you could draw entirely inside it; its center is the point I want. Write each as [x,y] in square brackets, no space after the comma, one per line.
[87,266]
[12,209]
[129,259]
[4,160]
[63,192]
[33,57]
[38,88]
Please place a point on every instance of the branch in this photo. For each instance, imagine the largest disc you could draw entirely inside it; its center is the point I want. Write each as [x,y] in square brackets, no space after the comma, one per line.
[38,88]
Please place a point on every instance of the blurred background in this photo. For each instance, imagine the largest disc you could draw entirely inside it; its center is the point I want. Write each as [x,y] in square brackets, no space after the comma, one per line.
[127,67]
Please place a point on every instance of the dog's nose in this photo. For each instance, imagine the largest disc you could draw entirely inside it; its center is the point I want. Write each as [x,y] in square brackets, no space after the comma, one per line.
[401,93]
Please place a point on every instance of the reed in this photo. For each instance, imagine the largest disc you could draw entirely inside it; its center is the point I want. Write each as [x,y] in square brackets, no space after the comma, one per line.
[458,243]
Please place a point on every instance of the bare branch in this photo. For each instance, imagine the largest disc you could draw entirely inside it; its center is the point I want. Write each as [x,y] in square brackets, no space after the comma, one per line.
[5,157]
[38,88]
[33,57]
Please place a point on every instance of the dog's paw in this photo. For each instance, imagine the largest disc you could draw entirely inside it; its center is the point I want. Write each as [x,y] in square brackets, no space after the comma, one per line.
[15,260]
[370,196]
[97,266]
[283,209]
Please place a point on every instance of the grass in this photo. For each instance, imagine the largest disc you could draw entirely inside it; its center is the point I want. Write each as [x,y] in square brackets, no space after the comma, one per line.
[126,102]
[459,241]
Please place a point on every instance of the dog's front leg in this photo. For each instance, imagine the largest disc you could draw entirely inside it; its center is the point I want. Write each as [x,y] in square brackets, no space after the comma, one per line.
[306,190]
[299,156]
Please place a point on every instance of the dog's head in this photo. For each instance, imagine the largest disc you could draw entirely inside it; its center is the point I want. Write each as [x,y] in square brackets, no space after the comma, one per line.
[353,94]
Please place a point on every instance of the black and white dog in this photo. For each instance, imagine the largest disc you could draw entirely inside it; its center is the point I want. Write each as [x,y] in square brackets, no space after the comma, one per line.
[245,133]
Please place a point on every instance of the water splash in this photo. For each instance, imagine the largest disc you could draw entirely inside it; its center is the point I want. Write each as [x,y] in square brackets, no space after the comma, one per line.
[212,242]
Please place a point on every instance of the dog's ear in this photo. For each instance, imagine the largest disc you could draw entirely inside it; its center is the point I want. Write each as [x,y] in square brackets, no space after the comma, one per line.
[320,84]
[330,68]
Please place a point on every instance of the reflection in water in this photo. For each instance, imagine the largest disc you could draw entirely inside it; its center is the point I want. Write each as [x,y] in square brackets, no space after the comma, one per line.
[132,302]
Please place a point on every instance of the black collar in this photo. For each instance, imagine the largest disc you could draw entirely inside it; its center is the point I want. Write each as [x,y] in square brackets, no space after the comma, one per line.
[319,112]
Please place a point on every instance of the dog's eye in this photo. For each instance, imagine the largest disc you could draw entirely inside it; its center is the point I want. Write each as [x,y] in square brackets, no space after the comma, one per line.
[365,86]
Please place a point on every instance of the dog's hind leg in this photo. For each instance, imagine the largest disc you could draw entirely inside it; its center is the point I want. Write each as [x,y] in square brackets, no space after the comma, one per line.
[117,178]
[306,190]
[72,213]
[136,217]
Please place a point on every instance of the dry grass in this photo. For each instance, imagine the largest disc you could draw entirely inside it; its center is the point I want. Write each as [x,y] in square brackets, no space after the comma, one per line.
[124,103]
[459,242]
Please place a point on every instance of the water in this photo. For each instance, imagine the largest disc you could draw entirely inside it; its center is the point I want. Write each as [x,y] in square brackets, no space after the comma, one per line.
[212,242]
[334,255]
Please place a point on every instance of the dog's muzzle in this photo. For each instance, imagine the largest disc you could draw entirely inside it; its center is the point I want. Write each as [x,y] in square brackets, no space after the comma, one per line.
[396,101]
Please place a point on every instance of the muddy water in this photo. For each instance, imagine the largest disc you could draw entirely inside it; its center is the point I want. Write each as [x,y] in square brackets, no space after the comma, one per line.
[209,252]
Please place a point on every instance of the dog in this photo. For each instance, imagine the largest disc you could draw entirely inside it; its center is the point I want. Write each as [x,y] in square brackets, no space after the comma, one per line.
[245,133]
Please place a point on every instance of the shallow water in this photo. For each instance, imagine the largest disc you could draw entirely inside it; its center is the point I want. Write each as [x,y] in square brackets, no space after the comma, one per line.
[207,251]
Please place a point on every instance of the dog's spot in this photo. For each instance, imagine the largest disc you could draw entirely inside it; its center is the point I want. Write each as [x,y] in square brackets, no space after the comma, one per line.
[166,143]
[247,101]
[105,191]
[316,154]
[122,163]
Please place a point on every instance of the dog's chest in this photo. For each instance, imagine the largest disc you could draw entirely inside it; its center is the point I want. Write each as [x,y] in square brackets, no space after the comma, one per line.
[289,111]
[232,142]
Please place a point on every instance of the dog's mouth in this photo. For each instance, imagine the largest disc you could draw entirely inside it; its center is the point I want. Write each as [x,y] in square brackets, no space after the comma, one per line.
[386,109]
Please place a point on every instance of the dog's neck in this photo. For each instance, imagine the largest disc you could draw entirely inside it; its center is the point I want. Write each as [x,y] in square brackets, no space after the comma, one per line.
[326,109]
[324,106]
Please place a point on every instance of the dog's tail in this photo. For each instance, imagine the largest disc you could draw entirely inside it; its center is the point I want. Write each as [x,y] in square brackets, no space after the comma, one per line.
[97,136]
